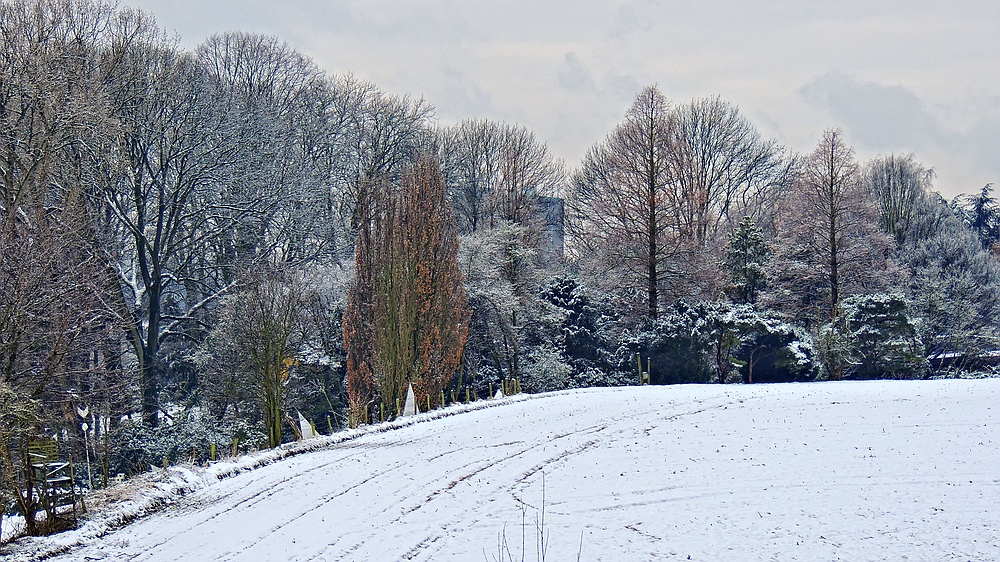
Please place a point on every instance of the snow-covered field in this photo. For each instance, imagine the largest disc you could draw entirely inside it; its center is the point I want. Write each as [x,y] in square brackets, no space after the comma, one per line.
[900,470]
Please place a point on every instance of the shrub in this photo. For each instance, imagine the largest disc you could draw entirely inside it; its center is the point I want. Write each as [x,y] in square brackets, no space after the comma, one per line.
[190,439]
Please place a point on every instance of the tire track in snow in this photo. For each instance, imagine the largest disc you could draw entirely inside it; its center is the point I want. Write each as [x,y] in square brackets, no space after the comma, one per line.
[458,468]
[269,492]
[552,461]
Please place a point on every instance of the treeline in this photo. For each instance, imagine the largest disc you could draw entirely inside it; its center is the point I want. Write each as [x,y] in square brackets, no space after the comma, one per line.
[722,256]
[197,246]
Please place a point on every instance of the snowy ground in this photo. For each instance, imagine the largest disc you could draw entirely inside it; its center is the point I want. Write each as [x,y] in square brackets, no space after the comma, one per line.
[11,527]
[901,470]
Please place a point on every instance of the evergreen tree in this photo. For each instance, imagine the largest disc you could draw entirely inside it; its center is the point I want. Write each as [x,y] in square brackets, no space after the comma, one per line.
[954,287]
[883,337]
[747,254]
[982,214]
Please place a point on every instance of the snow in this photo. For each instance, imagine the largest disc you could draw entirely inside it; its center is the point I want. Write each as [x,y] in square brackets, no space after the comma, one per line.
[11,526]
[818,471]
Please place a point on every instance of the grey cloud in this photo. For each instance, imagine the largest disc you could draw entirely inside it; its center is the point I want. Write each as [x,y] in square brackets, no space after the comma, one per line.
[984,140]
[882,117]
[771,124]
[574,76]
[893,119]
[586,62]
[632,18]
[462,95]
[625,86]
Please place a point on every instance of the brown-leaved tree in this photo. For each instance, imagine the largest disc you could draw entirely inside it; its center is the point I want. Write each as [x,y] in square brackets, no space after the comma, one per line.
[407,315]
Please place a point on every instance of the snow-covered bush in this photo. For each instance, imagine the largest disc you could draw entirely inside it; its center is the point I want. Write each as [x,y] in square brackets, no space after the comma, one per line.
[586,323]
[674,347]
[954,288]
[545,370]
[883,337]
[139,447]
[712,340]
[581,335]
[771,350]
[874,337]
[985,372]
[508,317]
[593,376]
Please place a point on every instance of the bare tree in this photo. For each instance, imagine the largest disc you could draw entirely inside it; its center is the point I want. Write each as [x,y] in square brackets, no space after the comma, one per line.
[499,178]
[57,307]
[722,169]
[281,98]
[508,314]
[255,344]
[831,245]
[896,183]
[621,208]
[18,419]
[383,138]
[496,173]
[52,115]
[171,191]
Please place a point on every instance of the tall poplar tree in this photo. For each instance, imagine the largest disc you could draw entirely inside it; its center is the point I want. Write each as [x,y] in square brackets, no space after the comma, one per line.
[407,315]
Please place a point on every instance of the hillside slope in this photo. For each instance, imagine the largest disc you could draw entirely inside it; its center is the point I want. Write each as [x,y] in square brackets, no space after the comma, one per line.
[825,471]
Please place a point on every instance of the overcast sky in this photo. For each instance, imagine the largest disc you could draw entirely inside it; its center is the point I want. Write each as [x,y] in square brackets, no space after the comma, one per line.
[916,76]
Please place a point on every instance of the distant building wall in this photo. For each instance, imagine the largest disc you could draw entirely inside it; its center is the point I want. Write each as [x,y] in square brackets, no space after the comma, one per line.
[553,215]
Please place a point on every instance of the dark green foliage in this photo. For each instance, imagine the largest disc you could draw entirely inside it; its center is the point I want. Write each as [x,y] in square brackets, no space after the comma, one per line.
[756,343]
[773,351]
[579,328]
[671,346]
[982,213]
[954,287]
[747,255]
[137,447]
[883,338]
[584,335]
[711,341]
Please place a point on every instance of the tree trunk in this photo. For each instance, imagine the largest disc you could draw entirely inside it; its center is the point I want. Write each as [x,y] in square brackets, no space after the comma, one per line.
[651,233]
[834,265]
[149,365]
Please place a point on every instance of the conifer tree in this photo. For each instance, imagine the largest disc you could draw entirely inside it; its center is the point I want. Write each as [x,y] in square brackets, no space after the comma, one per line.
[746,256]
